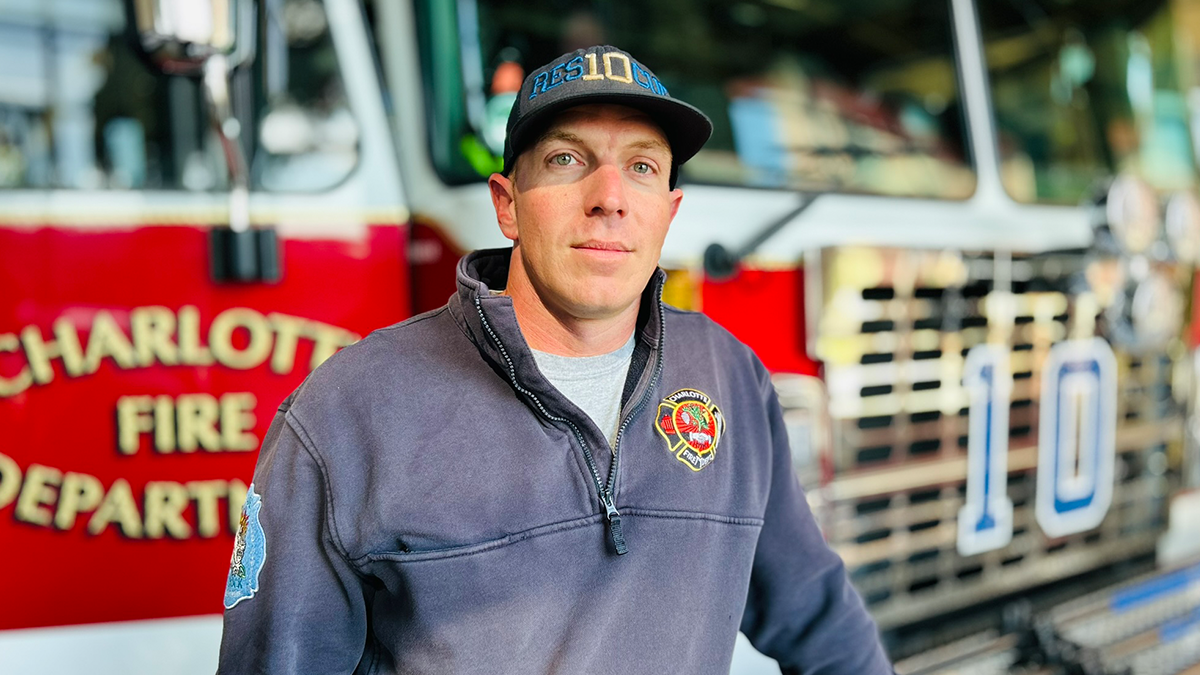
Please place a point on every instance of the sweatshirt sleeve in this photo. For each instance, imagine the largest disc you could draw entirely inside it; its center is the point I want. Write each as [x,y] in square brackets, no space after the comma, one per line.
[294,603]
[801,609]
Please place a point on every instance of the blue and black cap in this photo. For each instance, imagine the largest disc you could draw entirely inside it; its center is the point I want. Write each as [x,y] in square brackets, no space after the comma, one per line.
[602,74]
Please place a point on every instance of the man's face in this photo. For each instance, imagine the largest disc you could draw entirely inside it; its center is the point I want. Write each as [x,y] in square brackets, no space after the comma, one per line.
[588,207]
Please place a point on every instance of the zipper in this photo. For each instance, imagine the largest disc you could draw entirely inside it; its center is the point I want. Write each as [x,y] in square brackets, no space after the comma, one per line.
[612,515]
[612,472]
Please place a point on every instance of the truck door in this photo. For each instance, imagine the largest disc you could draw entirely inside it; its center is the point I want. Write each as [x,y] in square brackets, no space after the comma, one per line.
[135,383]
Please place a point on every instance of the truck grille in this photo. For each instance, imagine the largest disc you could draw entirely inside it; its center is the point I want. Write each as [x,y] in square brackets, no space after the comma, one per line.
[893,328]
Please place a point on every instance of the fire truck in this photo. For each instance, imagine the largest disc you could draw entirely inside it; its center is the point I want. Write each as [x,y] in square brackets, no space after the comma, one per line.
[962,234]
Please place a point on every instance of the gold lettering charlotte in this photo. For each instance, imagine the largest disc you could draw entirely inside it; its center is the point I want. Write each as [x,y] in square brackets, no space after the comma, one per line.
[11,386]
[220,337]
[239,338]
[153,330]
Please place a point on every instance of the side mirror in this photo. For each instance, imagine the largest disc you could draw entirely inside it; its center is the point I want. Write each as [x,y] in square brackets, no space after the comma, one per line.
[180,36]
[211,38]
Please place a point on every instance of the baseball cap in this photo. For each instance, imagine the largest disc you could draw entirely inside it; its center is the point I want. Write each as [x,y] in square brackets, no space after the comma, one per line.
[602,74]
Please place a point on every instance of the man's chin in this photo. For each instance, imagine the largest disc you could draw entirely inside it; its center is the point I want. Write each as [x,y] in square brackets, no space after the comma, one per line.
[598,302]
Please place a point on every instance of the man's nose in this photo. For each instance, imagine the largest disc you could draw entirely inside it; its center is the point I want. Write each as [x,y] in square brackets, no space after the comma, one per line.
[605,192]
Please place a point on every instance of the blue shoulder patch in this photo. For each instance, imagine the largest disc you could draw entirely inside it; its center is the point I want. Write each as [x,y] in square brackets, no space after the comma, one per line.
[249,553]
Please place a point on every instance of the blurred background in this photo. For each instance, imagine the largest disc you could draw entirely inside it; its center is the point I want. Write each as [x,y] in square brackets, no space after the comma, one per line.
[963,235]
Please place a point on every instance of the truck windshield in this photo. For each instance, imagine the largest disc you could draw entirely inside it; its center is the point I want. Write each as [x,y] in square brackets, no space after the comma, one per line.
[80,110]
[1084,89]
[817,95]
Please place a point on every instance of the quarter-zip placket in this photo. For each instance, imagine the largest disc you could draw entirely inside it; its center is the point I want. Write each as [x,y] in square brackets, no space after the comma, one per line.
[605,490]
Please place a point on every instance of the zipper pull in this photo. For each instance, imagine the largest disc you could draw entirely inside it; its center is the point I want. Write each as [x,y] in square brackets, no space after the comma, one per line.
[614,523]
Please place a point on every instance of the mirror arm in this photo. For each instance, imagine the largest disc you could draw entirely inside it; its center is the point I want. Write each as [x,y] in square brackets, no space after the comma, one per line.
[239,253]
[720,263]
[216,85]
[176,38]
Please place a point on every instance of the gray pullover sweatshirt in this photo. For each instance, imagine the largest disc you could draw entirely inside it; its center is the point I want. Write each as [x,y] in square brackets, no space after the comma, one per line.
[426,502]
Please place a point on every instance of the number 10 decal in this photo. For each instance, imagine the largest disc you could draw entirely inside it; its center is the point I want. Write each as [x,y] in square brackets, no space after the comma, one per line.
[1077,437]
[1077,423]
[985,520]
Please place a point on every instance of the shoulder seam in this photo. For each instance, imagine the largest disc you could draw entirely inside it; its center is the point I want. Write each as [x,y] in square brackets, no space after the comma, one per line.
[428,315]
[414,320]
[310,447]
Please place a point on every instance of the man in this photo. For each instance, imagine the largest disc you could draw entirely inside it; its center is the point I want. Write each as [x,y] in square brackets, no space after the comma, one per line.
[554,473]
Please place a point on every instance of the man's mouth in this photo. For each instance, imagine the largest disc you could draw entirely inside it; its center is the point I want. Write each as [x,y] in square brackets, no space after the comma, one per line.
[603,246]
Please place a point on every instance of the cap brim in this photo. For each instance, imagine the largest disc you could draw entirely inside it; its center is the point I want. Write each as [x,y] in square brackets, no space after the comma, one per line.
[686,128]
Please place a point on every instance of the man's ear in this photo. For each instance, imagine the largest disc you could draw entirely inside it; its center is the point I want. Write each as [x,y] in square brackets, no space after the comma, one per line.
[504,201]
[676,197]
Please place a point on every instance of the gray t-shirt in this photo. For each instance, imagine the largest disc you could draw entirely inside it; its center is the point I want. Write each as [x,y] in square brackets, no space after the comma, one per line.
[594,383]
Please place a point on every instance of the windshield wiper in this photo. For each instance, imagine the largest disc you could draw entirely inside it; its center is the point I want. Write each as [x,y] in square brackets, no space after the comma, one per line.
[721,263]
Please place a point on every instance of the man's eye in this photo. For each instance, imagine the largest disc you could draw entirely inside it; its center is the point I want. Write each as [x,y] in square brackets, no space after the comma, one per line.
[563,159]
[642,167]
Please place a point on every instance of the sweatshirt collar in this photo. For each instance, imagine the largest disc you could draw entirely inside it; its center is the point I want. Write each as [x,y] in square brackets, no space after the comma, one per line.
[490,322]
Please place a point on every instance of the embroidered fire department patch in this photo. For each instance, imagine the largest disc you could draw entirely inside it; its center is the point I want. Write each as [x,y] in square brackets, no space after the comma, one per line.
[692,426]
[249,553]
